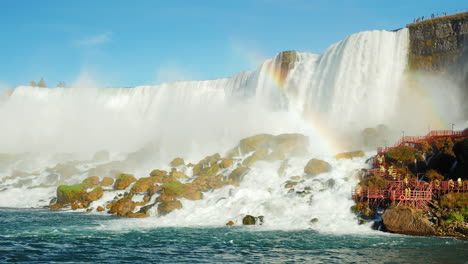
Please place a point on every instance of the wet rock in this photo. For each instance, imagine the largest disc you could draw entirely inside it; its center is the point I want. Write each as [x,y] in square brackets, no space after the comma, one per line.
[122,207]
[143,185]
[137,215]
[158,174]
[248,220]
[166,207]
[409,221]
[350,155]
[230,223]
[123,181]
[70,193]
[256,156]
[314,220]
[236,175]
[178,175]
[290,184]
[225,163]
[107,181]
[253,143]
[316,166]
[252,220]
[100,209]
[177,162]
[55,206]
[95,194]
[92,181]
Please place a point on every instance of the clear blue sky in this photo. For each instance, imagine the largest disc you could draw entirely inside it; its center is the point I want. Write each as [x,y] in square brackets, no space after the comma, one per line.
[129,43]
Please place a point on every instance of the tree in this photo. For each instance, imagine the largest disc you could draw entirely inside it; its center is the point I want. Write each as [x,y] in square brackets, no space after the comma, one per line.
[33,83]
[42,83]
[61,84]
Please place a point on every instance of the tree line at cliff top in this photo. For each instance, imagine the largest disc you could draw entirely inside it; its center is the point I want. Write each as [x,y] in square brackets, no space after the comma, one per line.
[41,83]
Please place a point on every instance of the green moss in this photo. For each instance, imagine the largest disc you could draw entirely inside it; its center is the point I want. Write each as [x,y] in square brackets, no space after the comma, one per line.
[174,188]
[402,154]
[70,193]
[376,181]
[455,216]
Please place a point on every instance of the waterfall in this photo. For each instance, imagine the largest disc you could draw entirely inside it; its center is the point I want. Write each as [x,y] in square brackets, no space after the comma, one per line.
[355,82]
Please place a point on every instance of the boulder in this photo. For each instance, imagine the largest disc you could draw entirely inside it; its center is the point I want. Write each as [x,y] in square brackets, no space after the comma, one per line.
[123,181]
[225,163]
[178,175]
[316,166]
[253,143]
[408,221]
[252,220]
[122,207]
[158,174]
[350,155]
[89,182]
[137,215]
[168,206]
[94,195]
[290,144]
[174,188]
[209,171]
[143,185]
[290,184]
[70,193]
[207,166]
[107,181]
[248,220]
[177,162]
[230,223]
[261,154]
[100,209]
[236,175]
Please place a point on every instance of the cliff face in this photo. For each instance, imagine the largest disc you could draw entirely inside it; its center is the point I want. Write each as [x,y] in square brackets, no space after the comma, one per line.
[439,44]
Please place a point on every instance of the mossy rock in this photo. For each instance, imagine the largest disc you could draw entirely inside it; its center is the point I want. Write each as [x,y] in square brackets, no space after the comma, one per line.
[290,184]
[226,163]
[290,144]
[95,194]
[178,175]
[249,220]
[210,171]
[256,156]
[316,166]
[123,181]
[107,181]
[166,207]
[174,188]
[236,175]
[177,162]
[203,165]
[256,142]
[70,193]
[158,173]
[374,181]
[350,155]
[122,207]
[143,185]
[92,181]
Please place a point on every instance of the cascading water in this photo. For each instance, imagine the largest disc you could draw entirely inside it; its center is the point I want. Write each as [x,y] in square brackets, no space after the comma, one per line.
[355,81]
